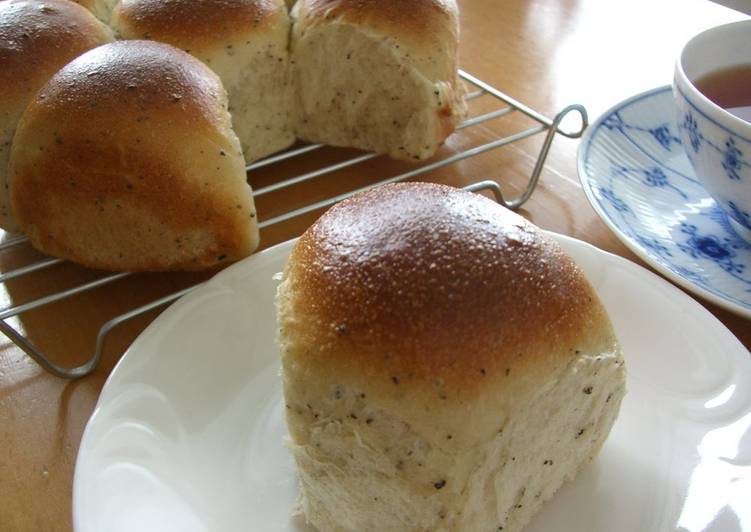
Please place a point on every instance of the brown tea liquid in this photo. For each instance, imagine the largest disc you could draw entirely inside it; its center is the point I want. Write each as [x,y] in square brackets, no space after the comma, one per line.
[730,88]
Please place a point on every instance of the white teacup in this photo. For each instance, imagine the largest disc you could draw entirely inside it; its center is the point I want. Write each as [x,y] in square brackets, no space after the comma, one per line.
[717,143]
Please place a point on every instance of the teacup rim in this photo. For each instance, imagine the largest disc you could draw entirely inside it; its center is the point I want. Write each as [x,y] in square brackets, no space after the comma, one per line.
[720,114]
[696,108]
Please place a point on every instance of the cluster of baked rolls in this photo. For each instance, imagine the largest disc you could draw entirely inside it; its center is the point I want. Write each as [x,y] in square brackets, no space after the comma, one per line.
[126,127]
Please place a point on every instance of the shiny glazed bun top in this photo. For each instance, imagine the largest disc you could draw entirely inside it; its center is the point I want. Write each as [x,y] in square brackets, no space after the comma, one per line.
[126,160]
[195,24]
[429,293]
[36,40]
[244,41]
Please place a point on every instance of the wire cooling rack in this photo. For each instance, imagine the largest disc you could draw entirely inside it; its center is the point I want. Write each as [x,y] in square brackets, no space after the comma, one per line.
[477,90]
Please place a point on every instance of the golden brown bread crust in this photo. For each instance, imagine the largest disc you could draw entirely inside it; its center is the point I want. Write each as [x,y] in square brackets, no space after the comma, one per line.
[126,161]
[421,23]
[245,42]
[439,354]
[434,290]
[37,38]
[194,23]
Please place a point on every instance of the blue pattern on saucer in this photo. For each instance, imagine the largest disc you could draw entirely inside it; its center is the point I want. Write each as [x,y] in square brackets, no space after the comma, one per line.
[635,173]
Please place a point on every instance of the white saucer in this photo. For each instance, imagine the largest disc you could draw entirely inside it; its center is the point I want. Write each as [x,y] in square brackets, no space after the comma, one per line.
[187,434]
[637,177]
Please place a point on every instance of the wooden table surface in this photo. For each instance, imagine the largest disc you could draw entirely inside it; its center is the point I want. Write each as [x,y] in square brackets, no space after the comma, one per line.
[546,53]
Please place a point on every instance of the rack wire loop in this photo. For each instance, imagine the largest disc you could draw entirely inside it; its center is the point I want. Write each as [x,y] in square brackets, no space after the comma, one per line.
[542,157]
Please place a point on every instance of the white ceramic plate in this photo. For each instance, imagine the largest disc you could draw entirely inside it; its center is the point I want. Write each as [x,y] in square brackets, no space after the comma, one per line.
[187,435]
[636,175]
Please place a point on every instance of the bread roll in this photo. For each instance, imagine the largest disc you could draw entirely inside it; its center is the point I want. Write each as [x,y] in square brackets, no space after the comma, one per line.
[126,160]
[102,9]
[244,41]
[380,75]
[36,39]
[446,366]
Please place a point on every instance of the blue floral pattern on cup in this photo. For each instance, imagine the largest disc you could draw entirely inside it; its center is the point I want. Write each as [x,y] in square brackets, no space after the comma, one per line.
[719,152]
[733,161]
[739,214]
[635,172]
[692,128]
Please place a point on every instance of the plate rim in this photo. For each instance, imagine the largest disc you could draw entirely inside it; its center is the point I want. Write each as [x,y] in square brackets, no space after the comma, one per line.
[77,516]
[633,246]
